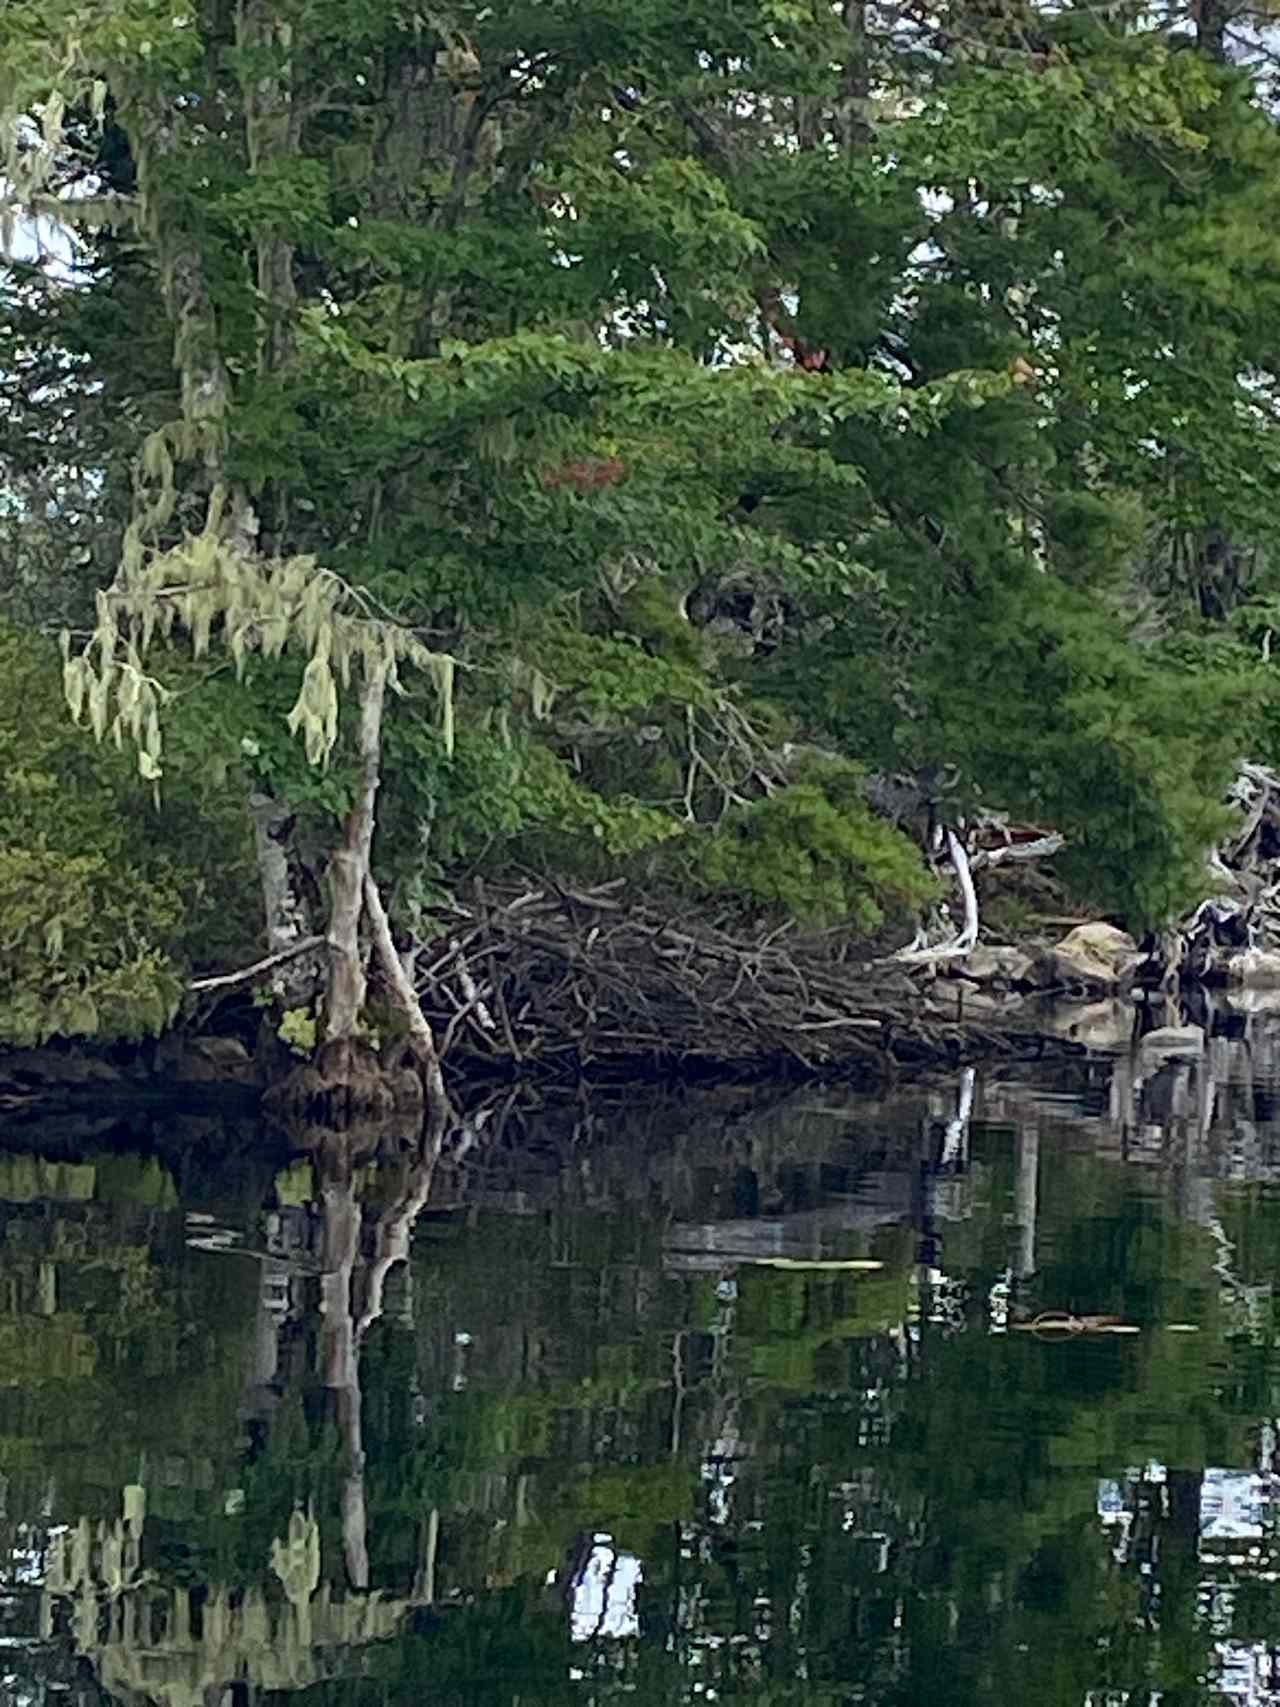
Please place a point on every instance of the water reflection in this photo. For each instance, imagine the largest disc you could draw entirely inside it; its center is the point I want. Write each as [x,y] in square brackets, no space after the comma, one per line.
[968,1394]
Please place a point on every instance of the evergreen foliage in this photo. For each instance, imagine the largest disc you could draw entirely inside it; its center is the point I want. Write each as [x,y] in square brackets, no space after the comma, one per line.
[815,852]
[700,385]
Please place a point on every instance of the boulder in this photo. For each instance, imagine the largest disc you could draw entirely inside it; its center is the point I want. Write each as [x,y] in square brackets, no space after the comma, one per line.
[996,966]
[1093,957]
[1255,969]
[1100,1026]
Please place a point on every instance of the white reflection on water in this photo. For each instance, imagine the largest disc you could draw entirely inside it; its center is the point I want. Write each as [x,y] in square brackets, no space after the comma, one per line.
[603,1593]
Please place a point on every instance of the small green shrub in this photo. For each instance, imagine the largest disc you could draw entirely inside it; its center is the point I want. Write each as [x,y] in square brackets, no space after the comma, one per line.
[819,854]
[105,898]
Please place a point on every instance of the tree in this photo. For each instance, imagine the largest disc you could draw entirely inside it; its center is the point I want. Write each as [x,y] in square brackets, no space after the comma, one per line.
[704,406]
[261,364]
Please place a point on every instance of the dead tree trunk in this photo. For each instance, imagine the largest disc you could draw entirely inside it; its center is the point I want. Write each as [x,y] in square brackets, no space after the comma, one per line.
[1211,18]
[348,869]
[855,85]
[347,1081]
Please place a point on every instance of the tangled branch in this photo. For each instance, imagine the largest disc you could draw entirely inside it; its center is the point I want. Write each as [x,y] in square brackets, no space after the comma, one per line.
[540,978]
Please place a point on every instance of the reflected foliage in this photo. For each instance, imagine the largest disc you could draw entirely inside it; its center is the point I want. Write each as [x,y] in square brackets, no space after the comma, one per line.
[963,1395]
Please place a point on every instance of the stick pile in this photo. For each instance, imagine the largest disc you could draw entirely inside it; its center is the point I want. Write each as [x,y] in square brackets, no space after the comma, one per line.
[537,976]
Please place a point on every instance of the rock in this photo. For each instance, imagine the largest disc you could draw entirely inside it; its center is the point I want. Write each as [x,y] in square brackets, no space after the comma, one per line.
[996,966]
[1255,969]
[974,1004]
[205,1060]
[1172,1040]
[958,1003]
[1091,957]
[1104,943]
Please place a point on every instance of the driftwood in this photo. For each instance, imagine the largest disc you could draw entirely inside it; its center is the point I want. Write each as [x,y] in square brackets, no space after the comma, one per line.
[920,952]
[532,977]
[1232,936]
[1244,912]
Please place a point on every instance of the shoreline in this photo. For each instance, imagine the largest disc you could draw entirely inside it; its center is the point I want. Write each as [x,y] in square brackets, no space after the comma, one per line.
[543,1005]
[219,1073]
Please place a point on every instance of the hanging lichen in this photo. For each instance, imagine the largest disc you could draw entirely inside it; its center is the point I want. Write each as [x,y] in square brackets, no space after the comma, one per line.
[208,588]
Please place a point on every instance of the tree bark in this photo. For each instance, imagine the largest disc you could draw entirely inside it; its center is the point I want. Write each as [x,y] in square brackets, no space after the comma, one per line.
[348,870]
[205,388]
[271,135]
[346,1080]
[1211,20]
[855,86]
[286,906]
[920,953]
[421,1037]
[1218,575]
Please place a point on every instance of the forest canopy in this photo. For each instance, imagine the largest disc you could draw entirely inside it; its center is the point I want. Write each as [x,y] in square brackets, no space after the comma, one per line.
[614,438]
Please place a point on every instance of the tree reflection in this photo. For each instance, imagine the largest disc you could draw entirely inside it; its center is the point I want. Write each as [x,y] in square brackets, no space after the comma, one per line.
[291,1624]
[956,1397]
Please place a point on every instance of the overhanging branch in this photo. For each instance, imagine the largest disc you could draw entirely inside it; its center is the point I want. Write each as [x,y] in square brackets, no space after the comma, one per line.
[247,974]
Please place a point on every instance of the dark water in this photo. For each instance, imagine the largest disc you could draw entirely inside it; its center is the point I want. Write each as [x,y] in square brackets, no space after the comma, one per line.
[963,1395]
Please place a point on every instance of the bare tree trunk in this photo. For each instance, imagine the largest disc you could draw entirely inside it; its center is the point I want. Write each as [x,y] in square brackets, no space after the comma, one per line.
[348,870]
[265,41]
[271,135]
[286,905]
[346,1081]
[421,1038]
[920,953]
[1211,19]
[206,393]
[1219,573]
[205,387]
[270,123]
